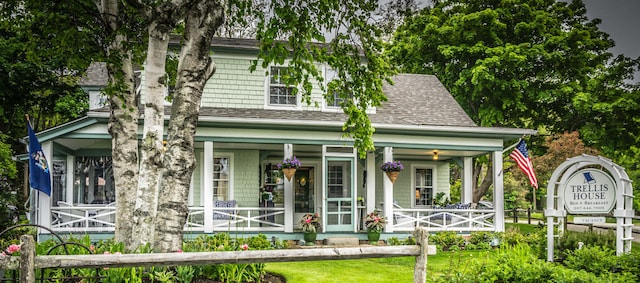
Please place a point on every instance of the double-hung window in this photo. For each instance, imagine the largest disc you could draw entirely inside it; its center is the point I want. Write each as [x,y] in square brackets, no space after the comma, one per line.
[424,185]
[221,178]
[335,100]
[279,92]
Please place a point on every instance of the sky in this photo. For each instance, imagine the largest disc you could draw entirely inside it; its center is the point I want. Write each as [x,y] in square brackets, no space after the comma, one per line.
[621,20]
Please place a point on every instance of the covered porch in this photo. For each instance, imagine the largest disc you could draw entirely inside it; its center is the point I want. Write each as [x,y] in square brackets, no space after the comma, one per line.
[231,182]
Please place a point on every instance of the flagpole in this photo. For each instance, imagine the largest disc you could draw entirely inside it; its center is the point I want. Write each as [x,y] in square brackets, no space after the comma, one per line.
[511,146]
[534,189]
[535,207]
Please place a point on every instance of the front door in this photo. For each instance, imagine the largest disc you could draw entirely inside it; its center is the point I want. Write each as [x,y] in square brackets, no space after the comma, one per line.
[304,189]
[339,194]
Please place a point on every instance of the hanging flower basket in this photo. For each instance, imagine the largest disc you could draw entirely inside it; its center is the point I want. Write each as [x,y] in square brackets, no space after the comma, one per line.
[392,168]
[393,175]
[289,166]
[289,172]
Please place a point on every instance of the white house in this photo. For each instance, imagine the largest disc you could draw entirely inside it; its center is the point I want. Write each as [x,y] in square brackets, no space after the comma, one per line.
[247,126]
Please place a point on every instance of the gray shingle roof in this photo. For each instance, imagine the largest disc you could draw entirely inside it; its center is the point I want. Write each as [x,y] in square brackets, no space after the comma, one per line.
[412,100]
[420,100]
[96,75]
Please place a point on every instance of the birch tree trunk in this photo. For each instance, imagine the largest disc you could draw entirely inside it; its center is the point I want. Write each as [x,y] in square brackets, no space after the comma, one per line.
[151,148]
[195,67]
[123,121]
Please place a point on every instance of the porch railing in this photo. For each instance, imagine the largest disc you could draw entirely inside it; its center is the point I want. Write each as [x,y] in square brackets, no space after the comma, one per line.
[93,218]
[461,220]
[83,218]
[238,219]
[86,218]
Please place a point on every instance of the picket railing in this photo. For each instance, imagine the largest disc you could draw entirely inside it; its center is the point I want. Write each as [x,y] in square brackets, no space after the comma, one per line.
[28,261]
[468,220]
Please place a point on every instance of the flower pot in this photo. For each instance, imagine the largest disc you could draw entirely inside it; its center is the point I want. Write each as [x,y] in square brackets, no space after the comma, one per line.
[393,175]
[289,172]
[373,236]
[310,238]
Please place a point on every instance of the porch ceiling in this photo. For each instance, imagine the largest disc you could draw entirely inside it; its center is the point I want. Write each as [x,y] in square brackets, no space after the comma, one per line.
[276,149]
[76,144]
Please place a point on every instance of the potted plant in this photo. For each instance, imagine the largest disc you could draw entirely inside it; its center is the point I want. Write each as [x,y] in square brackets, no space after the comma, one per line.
[374,222]
[392,168]
[310,224]
[289,166]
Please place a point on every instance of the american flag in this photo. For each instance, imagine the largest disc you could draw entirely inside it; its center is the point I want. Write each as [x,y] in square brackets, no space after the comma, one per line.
[521,156]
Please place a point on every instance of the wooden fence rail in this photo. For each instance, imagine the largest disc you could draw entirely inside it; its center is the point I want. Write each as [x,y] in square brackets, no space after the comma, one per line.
[516,212]
[29,262]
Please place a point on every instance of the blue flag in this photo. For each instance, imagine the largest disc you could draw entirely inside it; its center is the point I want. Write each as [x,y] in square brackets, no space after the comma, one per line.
[39,176]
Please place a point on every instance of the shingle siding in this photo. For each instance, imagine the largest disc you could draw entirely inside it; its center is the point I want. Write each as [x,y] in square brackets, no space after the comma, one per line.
[233,86]
[246,177]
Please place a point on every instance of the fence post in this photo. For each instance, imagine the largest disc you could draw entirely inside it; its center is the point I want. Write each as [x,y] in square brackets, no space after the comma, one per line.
[515,215]
[420,270]
[27,259]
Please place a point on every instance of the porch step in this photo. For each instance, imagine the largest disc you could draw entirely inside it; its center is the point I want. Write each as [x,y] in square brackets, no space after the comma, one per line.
[341,241]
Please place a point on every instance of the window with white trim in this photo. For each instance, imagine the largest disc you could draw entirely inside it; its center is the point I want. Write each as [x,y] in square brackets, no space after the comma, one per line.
[424,186]
[333,100]
[279,92]
[221,178]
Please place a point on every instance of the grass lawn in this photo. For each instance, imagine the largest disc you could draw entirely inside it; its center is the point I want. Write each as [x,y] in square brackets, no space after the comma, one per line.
[398,269]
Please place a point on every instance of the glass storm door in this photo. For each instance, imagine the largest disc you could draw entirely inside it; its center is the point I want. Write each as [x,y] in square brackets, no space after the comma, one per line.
[304,192]
[339,192]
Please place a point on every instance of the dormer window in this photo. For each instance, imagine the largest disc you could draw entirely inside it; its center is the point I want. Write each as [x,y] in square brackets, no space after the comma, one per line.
[279,92]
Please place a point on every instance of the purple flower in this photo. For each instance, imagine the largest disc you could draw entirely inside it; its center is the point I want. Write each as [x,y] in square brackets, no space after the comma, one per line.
[392,166]
[290,162]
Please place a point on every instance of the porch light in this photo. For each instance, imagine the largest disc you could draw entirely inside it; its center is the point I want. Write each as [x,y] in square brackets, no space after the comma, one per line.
[435,155]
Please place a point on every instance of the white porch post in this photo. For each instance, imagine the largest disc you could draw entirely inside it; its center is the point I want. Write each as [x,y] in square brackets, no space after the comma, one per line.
[467,179]
[498,190]
[44,201]
[288,194]
[207,186]
[388,191]
[370,193]
[69,180]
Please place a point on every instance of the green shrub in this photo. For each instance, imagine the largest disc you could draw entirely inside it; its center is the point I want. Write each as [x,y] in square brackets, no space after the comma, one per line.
[481,237]
[394,241]
[446,240]
[511,238]
[629,263]
[483,246]
[520,264]
[570,240]
[597,260]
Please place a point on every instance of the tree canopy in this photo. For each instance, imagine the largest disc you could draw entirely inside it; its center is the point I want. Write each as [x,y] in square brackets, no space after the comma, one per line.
[539,64]
[511,63]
